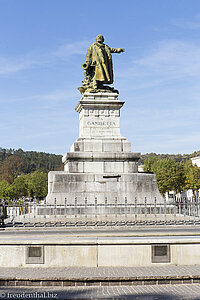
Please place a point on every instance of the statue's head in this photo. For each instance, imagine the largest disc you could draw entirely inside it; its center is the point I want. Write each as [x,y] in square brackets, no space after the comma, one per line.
[100,38]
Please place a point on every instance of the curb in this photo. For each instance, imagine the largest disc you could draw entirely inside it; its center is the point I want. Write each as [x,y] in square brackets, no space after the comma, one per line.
[100,281]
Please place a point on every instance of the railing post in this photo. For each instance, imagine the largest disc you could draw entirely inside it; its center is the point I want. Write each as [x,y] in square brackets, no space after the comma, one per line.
[193,213]
[13,212]
[55,212]
[65,212]
[184,210]
[145,210]
[115,210]
[155,211]
[75,211]
[198,210]
[24,211]
[4,211]
[34,213]
[86,211]
[95,204]
[106,207]
[45,212]
[135,210]
[175,213]
[165,211]
[126,208]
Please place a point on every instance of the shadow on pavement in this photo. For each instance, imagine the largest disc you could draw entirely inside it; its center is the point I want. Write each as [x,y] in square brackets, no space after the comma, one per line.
[85,293]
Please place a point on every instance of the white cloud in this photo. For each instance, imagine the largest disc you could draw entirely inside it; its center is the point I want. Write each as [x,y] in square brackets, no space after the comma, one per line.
[172,58]
[167,61]
[162,88]
[52,96]
[9,66]
[68,49]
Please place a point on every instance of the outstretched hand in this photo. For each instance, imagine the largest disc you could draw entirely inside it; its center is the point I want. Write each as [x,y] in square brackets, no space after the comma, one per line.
[122,50]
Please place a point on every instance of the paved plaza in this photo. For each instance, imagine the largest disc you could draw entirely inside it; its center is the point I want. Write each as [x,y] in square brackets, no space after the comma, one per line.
[147,292]
[170,272]
[155,282]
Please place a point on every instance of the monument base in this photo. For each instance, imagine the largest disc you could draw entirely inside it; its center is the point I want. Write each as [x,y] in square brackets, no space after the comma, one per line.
[139,186]
[100,165]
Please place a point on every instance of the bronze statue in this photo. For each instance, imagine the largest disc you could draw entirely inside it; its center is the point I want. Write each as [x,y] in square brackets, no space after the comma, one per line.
[98,67]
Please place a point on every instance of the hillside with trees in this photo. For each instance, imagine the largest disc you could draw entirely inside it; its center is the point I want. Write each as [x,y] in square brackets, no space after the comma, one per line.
[176,157]
[24,173]
[30,161]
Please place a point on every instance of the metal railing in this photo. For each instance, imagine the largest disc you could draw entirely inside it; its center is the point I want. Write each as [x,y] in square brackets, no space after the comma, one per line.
[182,211]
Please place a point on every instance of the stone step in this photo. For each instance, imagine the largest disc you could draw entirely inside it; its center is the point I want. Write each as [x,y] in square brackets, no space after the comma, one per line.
[100,276]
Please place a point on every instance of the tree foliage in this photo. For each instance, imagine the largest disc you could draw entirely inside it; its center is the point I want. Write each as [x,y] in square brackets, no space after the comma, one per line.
[37,184]
[11,167]
[4,189]
[24,173]
[19,188]
[27,185]
[33,161]
[173,175]
[176,157]
[192,173]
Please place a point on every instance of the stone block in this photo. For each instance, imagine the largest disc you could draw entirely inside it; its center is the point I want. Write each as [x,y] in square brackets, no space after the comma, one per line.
[95,187]
[113,167]
[75,167]
[116,132]
[112,146]
[104,156]
[93,145]
[130,167]
[124,255]
[71,256]
[184,254]
[93,167]
[126,146]
[85,132]
[115,187]
[12,256]
[77,146]
[66,167]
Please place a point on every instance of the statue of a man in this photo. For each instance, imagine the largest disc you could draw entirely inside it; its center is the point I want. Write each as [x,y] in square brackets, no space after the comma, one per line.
[98,67]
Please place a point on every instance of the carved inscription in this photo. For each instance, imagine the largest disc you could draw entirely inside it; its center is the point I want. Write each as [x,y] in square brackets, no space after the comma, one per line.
[100,123]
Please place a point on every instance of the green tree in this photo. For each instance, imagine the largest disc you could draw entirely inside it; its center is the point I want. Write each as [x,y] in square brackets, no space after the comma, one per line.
[192,174]
[170,174]
[38,184]
[4,190]
[19,188]
[176,176]
[11,167]
[158,166]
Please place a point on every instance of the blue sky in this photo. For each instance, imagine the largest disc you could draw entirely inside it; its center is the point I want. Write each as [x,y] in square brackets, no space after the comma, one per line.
[43,44]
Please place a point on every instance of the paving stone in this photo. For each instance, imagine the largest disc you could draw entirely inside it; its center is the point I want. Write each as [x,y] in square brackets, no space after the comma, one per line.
[34,283]
[69,283]
[11,283]
[51,283]
[121,276]
[21,282]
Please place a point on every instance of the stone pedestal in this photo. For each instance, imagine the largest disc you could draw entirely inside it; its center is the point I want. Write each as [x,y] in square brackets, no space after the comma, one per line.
[100,163]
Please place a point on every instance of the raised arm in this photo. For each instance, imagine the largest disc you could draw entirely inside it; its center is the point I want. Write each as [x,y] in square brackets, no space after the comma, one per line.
[116,50]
